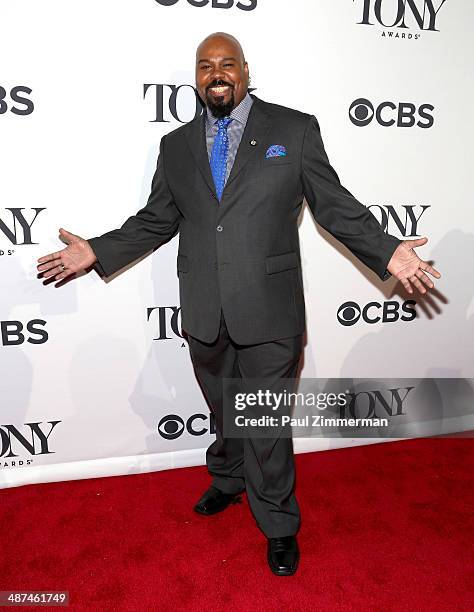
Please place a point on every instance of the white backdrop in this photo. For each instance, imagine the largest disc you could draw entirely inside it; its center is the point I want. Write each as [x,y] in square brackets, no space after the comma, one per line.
[87,372]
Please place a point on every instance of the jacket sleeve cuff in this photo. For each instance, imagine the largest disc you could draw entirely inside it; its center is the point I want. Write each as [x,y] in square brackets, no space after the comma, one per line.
[389,250]
[100,265]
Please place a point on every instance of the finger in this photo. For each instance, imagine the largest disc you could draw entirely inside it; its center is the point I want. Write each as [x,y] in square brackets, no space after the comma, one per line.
[416,283]
[66,235]
[406,284]
[49,257]
[416,242]
[62,275]
[424,265]
[53,271]
[422,276]
[49,265]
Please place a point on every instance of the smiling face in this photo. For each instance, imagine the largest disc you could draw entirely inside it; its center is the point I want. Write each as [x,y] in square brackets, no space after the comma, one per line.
[222,74]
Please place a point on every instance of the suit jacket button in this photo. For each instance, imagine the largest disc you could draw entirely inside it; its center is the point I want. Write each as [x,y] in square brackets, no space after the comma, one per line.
[219,228]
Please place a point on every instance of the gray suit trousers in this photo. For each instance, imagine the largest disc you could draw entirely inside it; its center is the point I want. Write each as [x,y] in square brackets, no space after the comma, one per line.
[263,467]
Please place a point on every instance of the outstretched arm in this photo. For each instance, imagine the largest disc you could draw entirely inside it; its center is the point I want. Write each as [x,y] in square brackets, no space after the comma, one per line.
[150,227]
[338,211]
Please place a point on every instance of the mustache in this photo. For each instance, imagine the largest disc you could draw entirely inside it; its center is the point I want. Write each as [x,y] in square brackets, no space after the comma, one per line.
[219,83]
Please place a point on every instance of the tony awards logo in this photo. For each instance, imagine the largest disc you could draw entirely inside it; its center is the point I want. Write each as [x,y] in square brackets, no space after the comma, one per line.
[400,18]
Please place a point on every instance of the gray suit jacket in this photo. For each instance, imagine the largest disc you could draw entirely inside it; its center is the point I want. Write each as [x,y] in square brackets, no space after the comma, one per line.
[243,254]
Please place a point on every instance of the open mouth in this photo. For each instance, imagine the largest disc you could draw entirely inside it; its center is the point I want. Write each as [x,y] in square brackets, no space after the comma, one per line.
[219,91]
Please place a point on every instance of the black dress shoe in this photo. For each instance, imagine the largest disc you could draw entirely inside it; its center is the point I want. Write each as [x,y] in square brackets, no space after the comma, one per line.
[283,555]
[214,501]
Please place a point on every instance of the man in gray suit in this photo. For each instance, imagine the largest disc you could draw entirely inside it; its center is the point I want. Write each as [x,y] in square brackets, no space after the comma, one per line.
[231,183]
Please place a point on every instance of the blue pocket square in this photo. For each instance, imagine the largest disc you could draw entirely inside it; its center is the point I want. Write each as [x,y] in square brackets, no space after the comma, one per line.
[275,150]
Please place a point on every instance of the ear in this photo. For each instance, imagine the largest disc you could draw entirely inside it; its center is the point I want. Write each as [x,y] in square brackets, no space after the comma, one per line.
[246,72]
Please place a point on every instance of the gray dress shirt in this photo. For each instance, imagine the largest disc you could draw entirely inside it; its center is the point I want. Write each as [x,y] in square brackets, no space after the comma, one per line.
[235,130]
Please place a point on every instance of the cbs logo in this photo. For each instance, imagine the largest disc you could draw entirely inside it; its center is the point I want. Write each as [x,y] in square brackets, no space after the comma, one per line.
[403,114]
[349,313]
[172,426]
[13,332]
[247,5]
[16,101]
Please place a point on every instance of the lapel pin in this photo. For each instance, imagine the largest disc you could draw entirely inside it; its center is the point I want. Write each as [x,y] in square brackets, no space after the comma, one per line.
[253,142]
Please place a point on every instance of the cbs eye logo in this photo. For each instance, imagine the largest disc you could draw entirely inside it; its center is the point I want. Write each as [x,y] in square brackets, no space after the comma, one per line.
[349,313]
[403,114]
[172,426]
[222,4]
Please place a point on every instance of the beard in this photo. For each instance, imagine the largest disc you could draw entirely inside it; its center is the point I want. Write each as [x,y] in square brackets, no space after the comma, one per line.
[218,107]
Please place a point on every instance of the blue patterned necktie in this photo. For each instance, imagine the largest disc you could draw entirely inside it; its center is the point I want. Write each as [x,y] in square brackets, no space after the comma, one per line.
[219,153]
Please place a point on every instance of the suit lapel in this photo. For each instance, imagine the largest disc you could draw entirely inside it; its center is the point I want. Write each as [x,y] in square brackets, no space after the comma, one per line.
[257,125]
[196,137]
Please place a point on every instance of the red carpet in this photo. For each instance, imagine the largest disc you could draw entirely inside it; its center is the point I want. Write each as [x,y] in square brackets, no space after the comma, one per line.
[385,527]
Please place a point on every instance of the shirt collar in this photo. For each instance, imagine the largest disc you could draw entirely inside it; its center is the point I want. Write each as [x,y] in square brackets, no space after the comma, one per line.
[239,113]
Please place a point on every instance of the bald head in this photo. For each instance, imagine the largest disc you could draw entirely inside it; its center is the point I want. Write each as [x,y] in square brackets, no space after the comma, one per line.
[222,73]
[217,37]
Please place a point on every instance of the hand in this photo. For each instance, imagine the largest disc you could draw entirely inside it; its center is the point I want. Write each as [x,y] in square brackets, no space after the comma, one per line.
[76,257]
[409,268]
